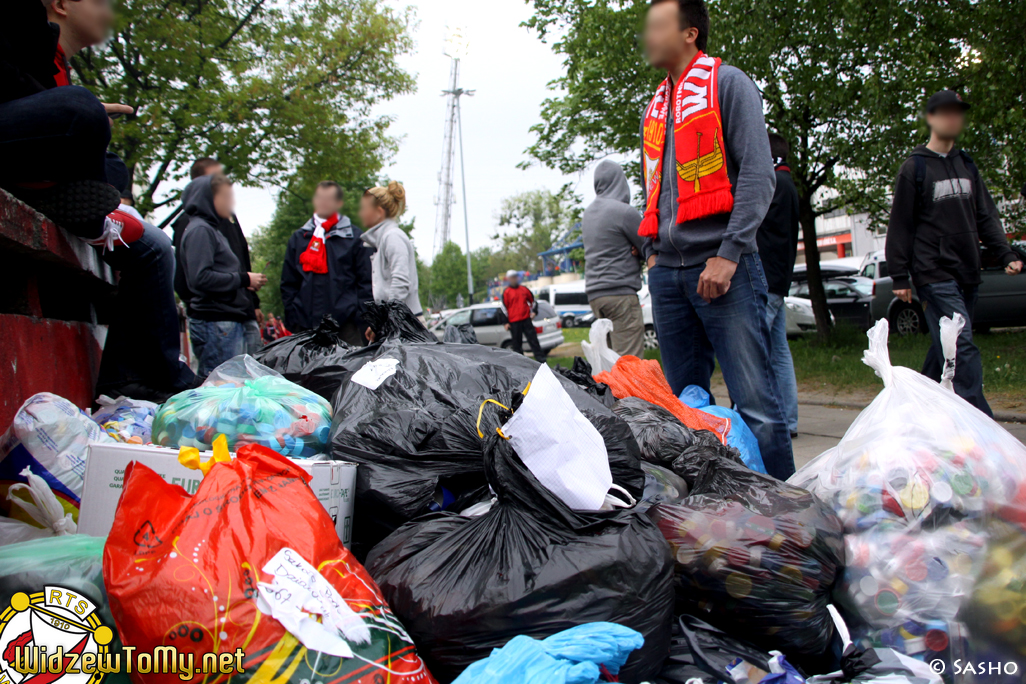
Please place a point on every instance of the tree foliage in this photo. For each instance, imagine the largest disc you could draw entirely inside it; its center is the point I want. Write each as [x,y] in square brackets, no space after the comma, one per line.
[844,80]
[529,223]
[274,90]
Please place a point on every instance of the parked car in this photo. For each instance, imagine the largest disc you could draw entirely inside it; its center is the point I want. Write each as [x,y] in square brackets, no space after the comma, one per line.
[849,298]
[800,317]
[1002,298]
[488,320]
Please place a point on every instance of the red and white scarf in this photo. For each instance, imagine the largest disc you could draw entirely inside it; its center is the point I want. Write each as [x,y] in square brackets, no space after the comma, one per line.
[315,258]
[698,145]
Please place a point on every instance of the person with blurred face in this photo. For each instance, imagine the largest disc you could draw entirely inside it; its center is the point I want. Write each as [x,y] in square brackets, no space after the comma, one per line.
[327,269]
[940,215]
[220,304]
[519,306]
[708,181]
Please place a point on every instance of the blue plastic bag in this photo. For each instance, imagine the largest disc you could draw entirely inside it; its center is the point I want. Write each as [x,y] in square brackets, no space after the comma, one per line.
[574,656]
[740,436]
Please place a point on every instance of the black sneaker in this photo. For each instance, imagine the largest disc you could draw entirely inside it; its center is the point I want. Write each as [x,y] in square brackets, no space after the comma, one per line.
[73,205]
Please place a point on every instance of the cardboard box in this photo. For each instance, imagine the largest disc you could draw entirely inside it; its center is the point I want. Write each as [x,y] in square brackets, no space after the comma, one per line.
[334,483]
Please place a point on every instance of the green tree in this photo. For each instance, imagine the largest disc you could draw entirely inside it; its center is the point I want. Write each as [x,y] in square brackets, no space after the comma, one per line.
[529,223]
[843,80]
[276,91]
[448,277]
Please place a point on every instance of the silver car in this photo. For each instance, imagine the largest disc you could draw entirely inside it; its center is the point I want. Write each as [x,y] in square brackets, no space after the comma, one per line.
[488,321]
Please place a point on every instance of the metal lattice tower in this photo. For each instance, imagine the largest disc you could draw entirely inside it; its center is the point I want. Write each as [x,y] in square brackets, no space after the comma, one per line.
[446,198]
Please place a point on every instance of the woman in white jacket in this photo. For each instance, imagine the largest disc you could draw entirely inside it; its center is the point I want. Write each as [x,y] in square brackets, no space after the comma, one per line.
[394,265]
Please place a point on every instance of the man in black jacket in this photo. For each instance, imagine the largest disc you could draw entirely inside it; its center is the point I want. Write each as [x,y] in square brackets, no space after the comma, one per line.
[778,247]
[327,269]
[941,213]
[220,301]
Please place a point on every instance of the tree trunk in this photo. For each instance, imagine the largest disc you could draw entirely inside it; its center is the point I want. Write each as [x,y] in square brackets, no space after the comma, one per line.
[807,219]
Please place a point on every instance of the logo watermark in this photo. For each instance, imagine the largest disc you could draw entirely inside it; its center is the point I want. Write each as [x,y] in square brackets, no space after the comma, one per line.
[964,667]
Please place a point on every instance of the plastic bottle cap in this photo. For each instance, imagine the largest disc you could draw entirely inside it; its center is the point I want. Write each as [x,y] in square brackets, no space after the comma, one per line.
[936,640]
[916,571]
[913,646]
[936,570]
[942,492]
[869,586]
[738,586]
[887,601]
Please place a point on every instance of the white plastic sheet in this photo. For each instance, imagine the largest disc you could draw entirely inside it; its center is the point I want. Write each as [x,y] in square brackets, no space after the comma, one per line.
[597,352]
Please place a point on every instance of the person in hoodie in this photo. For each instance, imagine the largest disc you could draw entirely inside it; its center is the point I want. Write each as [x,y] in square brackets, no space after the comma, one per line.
[394,264]
[327,269]
[940,214]
[220,303]
[609,230]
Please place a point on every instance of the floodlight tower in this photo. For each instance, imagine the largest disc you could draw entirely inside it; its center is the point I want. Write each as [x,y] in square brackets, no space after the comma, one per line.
[456,49]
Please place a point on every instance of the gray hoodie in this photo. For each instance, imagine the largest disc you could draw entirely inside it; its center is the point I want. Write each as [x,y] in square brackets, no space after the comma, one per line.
[609,229]
[394,265]
[212,271]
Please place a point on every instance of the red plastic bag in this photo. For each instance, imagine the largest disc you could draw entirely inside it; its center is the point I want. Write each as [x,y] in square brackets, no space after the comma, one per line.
[633,377]
[186,571]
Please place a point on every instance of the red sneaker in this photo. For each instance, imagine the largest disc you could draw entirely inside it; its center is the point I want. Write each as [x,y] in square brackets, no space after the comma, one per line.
[118,227]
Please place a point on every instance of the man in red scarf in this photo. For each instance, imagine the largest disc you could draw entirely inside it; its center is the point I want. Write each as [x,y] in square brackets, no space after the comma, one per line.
[709,180]
[327,269]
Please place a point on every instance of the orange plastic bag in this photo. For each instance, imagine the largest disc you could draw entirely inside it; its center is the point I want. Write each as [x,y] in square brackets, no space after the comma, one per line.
[188,572]
[633,377]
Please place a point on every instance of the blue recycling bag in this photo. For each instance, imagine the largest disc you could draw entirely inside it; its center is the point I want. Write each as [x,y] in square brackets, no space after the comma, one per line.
[574,656]
[740,436]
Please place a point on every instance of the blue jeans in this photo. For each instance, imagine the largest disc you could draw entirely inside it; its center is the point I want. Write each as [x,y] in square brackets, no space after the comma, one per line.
[254,341]
[693,333]
[215,342]
[143,341]
[947,299]
[780,358]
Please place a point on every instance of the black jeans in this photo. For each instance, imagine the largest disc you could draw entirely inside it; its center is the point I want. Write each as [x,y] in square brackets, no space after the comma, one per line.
[522,329]
[143,343]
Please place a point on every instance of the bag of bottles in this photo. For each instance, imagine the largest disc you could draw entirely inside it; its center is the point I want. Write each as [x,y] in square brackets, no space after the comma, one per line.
[249,404]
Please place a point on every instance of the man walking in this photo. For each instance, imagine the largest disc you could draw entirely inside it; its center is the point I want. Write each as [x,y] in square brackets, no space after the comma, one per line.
[613,276]
[327,269]
[778,247]
[708,178]
[940,214]
[518,302]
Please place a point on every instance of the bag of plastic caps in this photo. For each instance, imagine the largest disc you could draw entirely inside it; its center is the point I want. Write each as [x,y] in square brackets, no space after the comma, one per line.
[250,561]
[919,480]
[755,556]
[531,566]
[249,404]
[665,441]
[408,414]
[632,377]
[126,420]
[738,434]
[314,359]
[49,436]
[579,655]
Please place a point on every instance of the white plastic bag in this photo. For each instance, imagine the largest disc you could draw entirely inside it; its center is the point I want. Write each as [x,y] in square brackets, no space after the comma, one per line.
[560,446]
[237,370]
[598,353]
[917,480]
[49,435]
[42,508]
[950,329]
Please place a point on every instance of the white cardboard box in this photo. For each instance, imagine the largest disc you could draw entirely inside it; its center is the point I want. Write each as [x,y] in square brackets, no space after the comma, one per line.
[334,483]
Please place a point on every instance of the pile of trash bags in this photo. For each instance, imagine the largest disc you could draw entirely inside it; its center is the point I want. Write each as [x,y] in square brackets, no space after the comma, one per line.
[529,566]
[250,404]
[932,495]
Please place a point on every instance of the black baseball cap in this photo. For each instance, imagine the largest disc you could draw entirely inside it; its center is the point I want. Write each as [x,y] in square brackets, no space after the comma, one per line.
[944,98]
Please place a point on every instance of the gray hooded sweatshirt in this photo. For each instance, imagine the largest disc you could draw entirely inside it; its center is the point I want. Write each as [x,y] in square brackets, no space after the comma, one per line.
[609,229]
[394,265]
[212,271]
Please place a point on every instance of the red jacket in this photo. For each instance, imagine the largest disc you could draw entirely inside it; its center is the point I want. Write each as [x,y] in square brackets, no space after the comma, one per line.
[518,301]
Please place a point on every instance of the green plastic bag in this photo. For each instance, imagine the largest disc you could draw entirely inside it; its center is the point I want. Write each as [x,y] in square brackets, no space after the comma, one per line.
[249,404]
[51,594]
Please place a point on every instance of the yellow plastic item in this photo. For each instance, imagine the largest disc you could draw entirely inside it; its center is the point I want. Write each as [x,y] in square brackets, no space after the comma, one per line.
[190,458]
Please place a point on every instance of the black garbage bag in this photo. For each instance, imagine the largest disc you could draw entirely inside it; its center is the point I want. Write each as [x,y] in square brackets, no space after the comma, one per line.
[580,375]
[666,441]
[416,435]
[756,557]
[465,585]
[700,651]
[394,320]
[314,359]
[460,334]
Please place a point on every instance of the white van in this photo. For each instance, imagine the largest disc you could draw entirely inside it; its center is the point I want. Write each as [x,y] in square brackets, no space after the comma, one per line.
[569,299]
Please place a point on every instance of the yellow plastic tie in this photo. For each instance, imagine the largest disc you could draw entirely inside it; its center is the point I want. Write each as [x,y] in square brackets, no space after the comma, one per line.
[190,456]
[480,412]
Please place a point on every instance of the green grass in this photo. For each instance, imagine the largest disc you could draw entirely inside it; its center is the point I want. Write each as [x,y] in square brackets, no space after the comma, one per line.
[836,364]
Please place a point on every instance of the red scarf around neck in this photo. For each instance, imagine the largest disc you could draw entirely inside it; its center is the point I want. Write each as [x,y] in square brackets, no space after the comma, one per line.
[698,145]
[315,258]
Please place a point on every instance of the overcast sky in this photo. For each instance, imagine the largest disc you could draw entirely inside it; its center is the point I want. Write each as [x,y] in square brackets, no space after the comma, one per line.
[509,69]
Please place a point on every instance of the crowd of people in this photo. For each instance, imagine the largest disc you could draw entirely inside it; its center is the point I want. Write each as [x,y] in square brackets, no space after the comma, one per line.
[718,235]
